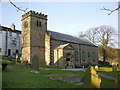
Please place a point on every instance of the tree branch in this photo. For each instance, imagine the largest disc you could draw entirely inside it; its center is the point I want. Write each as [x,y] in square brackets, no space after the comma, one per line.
[111,11]
[18,8]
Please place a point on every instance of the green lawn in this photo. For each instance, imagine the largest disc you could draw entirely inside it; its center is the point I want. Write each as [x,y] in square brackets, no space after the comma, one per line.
[112,74]
[108,83]
[17,77]
[108,71]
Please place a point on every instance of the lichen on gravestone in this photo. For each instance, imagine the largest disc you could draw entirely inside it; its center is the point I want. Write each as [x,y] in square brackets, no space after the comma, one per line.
[91,78]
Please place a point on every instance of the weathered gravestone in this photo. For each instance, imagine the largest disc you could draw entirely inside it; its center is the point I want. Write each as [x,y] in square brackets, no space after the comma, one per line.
[91,78]
[114,68]
[35,62]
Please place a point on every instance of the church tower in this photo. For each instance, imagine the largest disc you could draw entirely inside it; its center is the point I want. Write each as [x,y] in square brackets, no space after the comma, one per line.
[34,26]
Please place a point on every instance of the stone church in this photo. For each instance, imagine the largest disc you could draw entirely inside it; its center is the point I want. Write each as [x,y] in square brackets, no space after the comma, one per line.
[53,48]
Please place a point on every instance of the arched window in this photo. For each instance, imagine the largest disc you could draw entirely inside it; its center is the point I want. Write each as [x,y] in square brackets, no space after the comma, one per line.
[93,56]
[88,54]
[76,55]
[83,56]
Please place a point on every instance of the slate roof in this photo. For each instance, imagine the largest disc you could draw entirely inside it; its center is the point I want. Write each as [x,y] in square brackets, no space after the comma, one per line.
[9,29]
[69,38]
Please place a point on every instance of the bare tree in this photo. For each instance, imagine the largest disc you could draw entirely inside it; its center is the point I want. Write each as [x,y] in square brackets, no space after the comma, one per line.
[81,34]
[111,11]
[91,34]
[104,36]
[18,8]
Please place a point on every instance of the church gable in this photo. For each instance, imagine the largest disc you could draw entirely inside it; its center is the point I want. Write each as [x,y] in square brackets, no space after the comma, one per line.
[65,46]
[68,47]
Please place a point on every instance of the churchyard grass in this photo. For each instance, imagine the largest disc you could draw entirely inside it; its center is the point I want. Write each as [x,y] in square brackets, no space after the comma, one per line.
[107,71]
[18,77]
[107,83]
[112,74]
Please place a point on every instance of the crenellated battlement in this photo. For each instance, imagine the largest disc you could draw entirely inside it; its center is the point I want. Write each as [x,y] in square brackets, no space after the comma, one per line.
[34,14]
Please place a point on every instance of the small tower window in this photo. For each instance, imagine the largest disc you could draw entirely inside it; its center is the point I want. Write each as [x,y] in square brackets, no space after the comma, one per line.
[25,24]
[37,23]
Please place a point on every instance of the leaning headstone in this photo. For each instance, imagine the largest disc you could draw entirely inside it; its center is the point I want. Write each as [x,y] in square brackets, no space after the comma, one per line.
[91,78]
[35,62]
[114,68]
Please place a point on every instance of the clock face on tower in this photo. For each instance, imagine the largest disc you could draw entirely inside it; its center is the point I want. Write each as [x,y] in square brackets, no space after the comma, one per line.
[25,24]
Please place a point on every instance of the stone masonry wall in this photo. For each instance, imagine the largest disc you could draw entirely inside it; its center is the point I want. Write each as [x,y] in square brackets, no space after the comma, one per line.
[79,48]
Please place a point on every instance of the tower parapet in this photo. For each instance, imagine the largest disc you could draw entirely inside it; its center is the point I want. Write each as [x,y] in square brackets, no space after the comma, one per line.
[34,26]
[34,14]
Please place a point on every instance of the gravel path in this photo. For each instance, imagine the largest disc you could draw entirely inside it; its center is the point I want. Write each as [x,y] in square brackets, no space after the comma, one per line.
[106,76]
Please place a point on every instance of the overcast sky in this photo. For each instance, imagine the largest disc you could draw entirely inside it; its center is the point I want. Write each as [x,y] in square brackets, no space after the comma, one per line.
[65,17]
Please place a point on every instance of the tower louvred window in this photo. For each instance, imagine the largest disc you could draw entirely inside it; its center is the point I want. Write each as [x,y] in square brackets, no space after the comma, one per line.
[37,23]
[40,24]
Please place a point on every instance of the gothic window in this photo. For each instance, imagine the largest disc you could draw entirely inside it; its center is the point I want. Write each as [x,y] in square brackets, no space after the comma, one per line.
[76,55]
[80,56]
[83,56]
[93,56]
[88,54]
